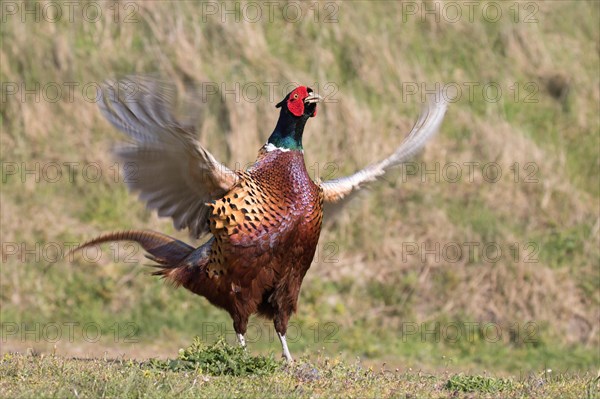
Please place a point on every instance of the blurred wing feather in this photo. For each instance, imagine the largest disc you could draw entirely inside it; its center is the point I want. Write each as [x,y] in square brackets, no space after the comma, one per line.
[430,120]
[164,162]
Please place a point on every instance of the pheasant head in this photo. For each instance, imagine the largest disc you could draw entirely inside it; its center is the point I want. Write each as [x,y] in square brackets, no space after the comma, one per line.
[299,105]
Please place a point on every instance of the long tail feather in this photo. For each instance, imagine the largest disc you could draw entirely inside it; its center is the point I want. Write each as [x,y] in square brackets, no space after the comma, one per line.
[162,248]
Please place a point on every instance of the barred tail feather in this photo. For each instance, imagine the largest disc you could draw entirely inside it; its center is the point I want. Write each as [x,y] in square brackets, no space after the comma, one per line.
[163,249]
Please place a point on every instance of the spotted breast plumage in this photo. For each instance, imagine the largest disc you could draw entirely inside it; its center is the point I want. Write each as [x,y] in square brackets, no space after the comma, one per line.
[263,223]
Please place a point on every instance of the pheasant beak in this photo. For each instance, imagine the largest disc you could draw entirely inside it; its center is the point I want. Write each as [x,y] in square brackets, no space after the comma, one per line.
[313,98]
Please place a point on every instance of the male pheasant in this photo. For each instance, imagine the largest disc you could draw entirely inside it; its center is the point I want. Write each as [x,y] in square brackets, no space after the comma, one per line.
[263,223]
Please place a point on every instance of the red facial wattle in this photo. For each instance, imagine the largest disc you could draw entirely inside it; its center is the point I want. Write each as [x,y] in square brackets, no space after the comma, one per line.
[295,102]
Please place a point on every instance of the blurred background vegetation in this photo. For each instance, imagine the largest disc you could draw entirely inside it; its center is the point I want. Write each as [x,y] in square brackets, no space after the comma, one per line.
[365,293]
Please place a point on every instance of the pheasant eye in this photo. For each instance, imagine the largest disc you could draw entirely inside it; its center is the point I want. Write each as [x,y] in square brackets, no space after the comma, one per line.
[295,96]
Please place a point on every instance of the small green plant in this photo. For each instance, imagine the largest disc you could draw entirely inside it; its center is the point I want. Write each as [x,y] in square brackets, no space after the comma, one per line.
[477,383]
[219,358]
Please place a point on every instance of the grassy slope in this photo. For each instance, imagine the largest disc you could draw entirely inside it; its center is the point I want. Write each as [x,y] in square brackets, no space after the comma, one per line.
[369,291]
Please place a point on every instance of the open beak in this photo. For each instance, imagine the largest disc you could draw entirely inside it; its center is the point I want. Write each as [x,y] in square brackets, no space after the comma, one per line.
[313,98]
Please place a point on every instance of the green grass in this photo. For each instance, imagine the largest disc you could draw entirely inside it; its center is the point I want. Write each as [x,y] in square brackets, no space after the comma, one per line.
[222,371]
[477,383]
[218,359]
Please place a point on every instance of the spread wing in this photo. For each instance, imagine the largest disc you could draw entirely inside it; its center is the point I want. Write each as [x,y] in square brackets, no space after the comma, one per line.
[164,161]
[337,189]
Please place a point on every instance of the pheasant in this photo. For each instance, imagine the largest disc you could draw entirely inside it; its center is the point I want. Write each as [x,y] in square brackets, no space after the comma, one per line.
[263,223]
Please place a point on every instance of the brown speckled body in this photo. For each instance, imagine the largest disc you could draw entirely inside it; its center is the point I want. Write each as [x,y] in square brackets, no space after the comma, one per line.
[266,230]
